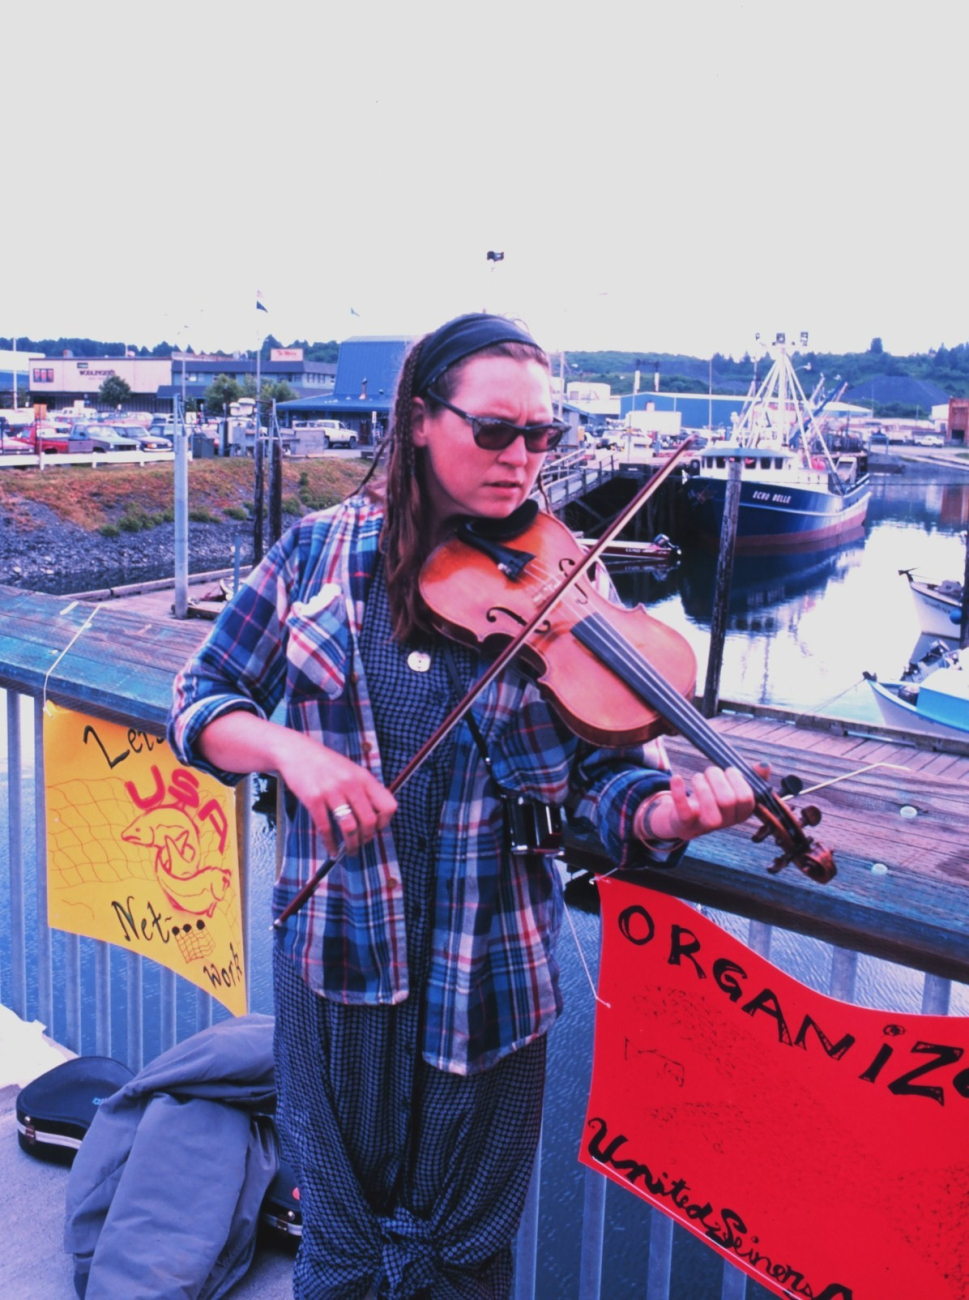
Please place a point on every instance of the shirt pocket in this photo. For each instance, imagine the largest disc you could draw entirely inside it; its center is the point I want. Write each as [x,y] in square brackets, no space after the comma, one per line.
[317,645]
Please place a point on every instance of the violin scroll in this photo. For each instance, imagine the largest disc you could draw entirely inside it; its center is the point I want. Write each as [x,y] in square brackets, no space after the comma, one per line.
[816,861]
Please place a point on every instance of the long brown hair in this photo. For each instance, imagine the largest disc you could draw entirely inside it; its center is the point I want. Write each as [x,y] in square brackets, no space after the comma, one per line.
[405,539]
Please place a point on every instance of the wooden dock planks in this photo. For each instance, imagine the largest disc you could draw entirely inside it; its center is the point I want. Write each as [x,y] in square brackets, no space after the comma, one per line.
[861,812]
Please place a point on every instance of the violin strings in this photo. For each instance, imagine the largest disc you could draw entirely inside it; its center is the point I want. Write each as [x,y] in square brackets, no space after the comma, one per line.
[662,696]
[671,704]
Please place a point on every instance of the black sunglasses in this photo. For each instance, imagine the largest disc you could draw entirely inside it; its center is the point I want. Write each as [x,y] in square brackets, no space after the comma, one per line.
[493,434]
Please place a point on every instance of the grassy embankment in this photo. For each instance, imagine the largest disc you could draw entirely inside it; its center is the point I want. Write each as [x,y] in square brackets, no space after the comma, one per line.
[133,498]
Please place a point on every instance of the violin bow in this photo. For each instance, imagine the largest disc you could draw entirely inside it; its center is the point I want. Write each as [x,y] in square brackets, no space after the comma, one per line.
[499,663]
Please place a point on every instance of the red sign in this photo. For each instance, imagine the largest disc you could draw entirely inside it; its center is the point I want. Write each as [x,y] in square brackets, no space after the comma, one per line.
[285,354]
[821,1147]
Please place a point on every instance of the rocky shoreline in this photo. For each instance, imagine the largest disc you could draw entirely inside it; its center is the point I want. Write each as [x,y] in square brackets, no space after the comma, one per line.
[45,554]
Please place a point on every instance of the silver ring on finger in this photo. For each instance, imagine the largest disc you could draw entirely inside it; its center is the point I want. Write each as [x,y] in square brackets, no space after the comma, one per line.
[341,812]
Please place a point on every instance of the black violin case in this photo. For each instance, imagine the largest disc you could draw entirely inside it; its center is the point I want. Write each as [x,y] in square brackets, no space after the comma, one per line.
[55,1111]
[280,1217]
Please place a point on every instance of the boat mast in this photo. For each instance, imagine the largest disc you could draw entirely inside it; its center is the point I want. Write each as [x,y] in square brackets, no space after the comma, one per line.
[781,388]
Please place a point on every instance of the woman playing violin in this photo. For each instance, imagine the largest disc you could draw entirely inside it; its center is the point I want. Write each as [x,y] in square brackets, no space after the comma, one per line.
[415,987]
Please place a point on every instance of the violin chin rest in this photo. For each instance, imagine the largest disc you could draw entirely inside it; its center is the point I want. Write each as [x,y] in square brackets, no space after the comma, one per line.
[501,530]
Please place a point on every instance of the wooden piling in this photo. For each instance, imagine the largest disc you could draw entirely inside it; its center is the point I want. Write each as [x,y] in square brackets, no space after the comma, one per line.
[721,597]
[258,494]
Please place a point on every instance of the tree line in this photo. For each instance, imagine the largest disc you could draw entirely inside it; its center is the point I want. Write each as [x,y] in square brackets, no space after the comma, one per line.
[77,347]
[946,367]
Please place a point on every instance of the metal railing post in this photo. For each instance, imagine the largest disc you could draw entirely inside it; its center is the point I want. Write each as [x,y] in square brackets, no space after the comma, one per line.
[45,979]
[72,991]
[167,1009]
[243,836]
[758,938]
[102,998]
[135,1055]
[593,1233]
[935,996]
[526,1243]
[844,973]
[181,513]
[15,833]
[660,1263]
[734,1285]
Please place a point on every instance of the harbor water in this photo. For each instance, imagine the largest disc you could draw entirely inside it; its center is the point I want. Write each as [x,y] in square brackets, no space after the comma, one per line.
[802,630]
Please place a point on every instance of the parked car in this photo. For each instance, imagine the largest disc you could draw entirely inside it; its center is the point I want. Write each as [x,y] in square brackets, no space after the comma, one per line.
[928,440]
[153,441]
[104,437]
[146,439]
[11,445]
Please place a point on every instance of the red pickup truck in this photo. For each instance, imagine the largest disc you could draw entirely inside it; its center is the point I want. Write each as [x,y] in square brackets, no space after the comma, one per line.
[57,436]
[50,436]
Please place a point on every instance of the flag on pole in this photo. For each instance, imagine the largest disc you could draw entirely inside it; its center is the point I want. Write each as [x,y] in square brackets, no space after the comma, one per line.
[354,312]
[260,305]
[492,256]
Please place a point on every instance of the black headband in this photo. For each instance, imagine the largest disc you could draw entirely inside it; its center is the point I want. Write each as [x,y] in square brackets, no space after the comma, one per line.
[461,338]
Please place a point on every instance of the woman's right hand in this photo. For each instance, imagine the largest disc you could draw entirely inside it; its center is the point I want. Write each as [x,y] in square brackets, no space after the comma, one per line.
[347,804]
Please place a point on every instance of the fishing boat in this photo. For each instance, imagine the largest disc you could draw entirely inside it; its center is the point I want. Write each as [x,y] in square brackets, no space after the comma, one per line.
[792,490]
[931,697]
[937,604]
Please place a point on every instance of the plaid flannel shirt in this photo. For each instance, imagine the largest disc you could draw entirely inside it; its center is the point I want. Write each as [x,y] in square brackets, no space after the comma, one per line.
[291,634]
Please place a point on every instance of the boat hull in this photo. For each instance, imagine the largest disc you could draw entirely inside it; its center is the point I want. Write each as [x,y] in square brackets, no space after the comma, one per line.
[905,716]
[773,515]
[935,612]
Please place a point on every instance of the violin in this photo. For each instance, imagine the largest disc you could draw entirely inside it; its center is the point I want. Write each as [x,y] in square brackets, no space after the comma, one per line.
[610,671]
[616,676]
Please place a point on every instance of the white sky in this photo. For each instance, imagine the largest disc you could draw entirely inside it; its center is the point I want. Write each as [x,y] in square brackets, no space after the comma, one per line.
[661,177]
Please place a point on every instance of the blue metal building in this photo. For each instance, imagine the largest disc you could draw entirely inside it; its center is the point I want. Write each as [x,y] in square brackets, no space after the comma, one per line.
[363,391]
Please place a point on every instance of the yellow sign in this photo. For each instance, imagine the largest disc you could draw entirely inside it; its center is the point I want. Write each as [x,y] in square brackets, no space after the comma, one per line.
[141,852]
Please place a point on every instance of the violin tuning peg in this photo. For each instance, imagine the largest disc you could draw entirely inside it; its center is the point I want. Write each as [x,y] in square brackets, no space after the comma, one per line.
[810,815]
[792,785]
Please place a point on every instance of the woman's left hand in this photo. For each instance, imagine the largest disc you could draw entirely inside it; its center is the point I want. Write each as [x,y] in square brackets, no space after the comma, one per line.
[716,798]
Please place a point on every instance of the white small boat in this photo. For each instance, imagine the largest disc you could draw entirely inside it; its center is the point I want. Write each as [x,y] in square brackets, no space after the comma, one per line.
[660,551]
[931,697]
[937,604]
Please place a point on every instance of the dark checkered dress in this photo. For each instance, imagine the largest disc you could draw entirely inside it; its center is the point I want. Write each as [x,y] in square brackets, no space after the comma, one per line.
[411,1180]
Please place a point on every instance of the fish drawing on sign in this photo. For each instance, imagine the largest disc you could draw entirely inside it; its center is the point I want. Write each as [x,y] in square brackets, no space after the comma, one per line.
[162,826]
[174,837]
[191,889]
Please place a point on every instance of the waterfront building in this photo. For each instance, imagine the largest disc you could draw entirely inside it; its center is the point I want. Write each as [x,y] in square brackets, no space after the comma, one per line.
[61,382]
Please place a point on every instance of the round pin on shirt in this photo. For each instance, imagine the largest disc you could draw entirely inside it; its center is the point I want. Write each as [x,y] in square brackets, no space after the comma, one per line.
[418,661]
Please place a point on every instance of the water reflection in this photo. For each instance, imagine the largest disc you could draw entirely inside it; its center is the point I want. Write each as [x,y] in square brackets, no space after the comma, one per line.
[804,627]
[766,581]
